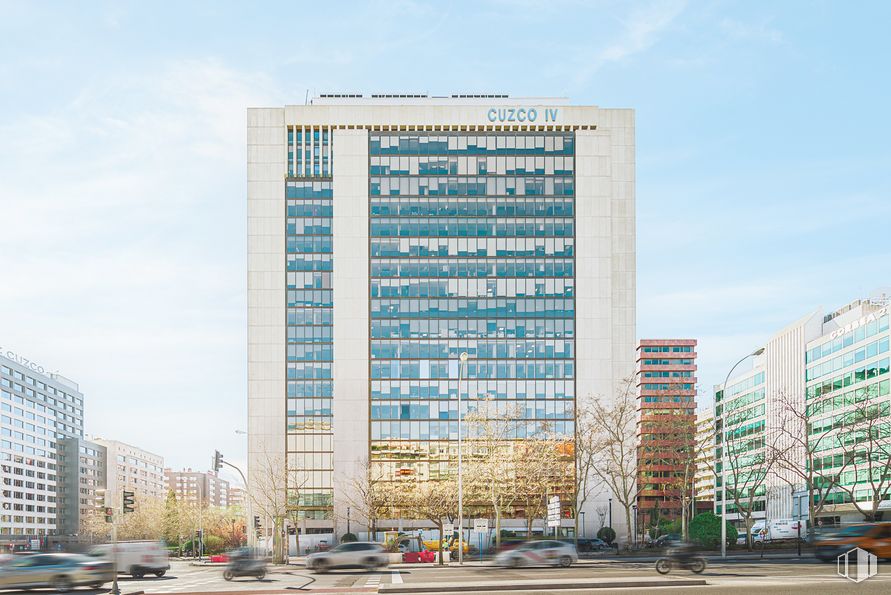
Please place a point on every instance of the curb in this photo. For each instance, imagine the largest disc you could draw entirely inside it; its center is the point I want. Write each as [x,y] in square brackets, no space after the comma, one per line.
[524,585]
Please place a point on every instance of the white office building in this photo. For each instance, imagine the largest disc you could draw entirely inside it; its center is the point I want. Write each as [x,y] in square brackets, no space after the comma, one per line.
[132,469]
[389,234]
[827,366]
[39,408]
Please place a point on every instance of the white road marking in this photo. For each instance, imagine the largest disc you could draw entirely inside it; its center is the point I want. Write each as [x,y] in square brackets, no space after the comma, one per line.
[395,577]
[373,581]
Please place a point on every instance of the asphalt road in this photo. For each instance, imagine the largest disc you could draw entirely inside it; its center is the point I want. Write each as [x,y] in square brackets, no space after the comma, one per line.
[744,577]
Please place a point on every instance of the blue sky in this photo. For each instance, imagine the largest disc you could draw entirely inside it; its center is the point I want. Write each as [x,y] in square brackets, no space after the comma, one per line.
[763,171]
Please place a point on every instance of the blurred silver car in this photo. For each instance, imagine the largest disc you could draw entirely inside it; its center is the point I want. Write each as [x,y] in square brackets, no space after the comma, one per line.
[538,553]
[62,572]
[358,554]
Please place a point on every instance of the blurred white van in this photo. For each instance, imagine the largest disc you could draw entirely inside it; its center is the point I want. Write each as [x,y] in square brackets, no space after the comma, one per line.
[136,558]
[777,529]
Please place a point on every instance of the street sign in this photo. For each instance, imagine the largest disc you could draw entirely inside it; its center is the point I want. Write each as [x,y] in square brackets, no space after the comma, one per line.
[554,511]
[448,528]
[480,525]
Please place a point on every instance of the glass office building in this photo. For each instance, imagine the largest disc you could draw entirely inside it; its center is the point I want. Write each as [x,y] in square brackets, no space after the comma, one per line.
[39,409]
[833,368]
[387,235]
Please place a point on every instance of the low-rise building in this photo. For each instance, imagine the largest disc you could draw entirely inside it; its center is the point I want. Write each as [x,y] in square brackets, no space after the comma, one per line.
[237,497]
[196,487]
[132,469]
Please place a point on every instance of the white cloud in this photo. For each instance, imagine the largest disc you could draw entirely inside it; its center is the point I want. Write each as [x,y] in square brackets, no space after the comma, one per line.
[641,30]
[123,240]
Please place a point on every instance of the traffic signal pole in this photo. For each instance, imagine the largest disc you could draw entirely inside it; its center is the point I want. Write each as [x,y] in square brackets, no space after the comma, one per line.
[218,462]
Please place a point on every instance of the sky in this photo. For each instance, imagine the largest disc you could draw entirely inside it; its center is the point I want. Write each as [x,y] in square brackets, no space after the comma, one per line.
[763,169]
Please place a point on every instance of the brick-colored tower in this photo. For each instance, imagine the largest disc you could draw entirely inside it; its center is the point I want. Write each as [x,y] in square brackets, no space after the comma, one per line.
[666,381]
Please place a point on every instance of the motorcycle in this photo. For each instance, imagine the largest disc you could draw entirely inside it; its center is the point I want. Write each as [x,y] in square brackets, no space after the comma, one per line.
[681,556]
[247,566]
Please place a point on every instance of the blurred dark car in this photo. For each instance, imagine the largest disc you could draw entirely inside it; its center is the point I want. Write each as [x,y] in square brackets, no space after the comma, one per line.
[666,540]
[62,572]
[593,544]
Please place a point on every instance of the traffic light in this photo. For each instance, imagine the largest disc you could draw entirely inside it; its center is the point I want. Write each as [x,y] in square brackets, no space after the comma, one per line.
[129,502]
[217,460]
[257,528]
[109,514]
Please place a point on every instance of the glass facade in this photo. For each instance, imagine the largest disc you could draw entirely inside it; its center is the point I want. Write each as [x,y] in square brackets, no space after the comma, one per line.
[36,412]
[471,243]
[310,344]
[740,429]
[847,377]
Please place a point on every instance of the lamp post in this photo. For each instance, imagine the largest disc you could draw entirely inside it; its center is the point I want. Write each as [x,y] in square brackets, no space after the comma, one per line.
[634,524]
[460,465]
[610,513]
[583,523]
[758,351]
[250,530]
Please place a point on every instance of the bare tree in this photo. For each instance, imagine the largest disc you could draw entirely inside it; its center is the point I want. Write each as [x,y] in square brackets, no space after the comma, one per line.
[800,452]
[367,495]
[601,512]
[862,435]
[688,447]
[433,500]
[490,470]
[615,460]
[750,459]
[276,496]
[543,467]
[586,452]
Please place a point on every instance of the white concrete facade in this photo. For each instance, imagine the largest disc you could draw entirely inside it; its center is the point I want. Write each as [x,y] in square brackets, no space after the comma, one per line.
[604,253]
[133,469]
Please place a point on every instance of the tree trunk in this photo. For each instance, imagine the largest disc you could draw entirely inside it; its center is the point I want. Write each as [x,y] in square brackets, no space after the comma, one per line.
[529,520]
[628,524]
[277,557]
[497,528]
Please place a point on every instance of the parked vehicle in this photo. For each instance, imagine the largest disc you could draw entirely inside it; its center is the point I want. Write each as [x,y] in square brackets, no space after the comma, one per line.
[544,552]
[872,537]
[358,554]
[245,562]
[62,572]
[593,544]
[665,540]
[756,538]
[776,530]
[681,556]
[136,558]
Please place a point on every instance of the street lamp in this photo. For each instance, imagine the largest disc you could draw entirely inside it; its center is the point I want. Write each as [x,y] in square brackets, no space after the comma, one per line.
[460,465]
[758,351]
[634,524]
[583,523]
[610,513]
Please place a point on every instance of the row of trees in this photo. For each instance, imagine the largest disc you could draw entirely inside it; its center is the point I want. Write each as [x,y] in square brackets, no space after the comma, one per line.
[505,477]
[176,522]
[848,454]
[502,477]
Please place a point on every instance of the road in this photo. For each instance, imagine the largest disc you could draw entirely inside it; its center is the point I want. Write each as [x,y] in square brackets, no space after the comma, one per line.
[744,577]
